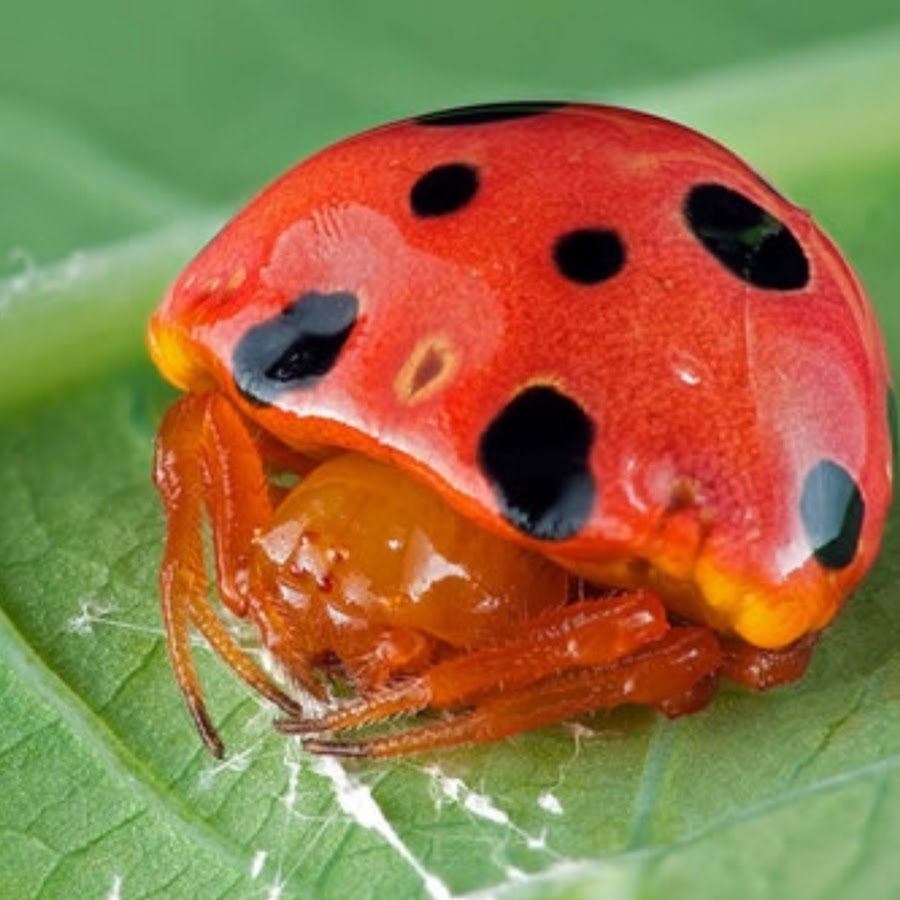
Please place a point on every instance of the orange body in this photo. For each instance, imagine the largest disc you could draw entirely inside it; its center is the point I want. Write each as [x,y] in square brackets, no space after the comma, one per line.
[577,374]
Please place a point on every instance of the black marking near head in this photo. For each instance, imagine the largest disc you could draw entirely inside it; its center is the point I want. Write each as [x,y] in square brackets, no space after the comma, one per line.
[295,348]
[589,255]
[488,113]
[750,242]
[832,509]
[443,189]
[535,455]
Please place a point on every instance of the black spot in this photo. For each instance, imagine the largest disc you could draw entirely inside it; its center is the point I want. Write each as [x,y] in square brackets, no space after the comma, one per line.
[535,455]
[589,255]
[487,113]
[750,242]
[296,348]
[832,509]
[443,189]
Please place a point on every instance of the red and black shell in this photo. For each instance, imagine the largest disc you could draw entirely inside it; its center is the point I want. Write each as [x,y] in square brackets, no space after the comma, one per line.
[593,331]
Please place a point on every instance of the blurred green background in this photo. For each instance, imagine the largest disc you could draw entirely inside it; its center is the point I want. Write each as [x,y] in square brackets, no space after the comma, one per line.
[115,117]
[127,133]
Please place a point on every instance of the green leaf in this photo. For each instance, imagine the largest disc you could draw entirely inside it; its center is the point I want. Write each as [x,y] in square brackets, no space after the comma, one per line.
[106,789]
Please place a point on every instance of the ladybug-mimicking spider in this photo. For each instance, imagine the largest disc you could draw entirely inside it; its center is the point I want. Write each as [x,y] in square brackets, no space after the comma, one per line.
[580,411]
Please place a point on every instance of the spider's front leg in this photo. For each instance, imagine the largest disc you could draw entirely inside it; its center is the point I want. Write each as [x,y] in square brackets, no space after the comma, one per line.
[207,464]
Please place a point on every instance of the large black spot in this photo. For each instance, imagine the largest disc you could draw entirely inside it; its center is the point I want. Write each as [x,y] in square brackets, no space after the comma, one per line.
[535,455]
[487,113]
[296,348]
[444,189]
[589,255]
[750,242]
[832,509]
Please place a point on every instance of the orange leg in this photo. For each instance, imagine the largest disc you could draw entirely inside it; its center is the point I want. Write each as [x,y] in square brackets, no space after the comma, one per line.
[669,667]
[384,655]
[763,669]
[587,633]
[279,456]
[695,698]
[613,639]
[206,461]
